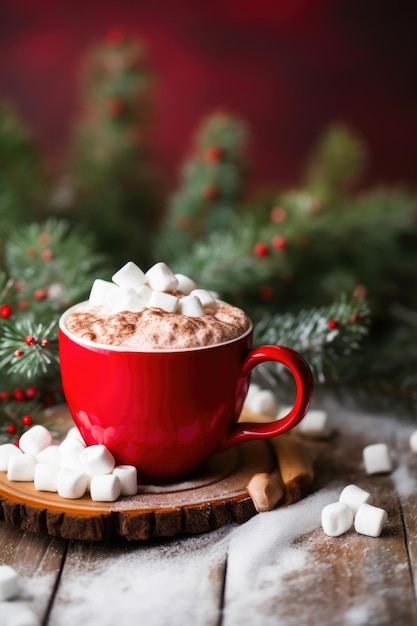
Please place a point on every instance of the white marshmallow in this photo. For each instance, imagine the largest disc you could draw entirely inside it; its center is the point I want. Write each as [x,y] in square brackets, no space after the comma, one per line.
[6,451]
[315,424]
[144,292]
[21,468]
[206,299]
[74,432]
[130,275]
[105,488]
[97,459]
[128,479]
[71,446]
[50,454]
[263,402]
[18,614]
[161,278]
[99,292]
[413,441]
[71,483]
[370,520]
[9,583]
[46,477]
[336,519]
[191,306]
[35,439]
[354,497]
[124,299]
[252,389]
[185,284]
[165,301]
[377,459]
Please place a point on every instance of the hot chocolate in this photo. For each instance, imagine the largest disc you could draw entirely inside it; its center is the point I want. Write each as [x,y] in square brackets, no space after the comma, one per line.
[159,322]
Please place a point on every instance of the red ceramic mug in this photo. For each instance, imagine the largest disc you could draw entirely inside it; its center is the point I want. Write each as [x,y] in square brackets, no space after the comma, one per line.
[167,411]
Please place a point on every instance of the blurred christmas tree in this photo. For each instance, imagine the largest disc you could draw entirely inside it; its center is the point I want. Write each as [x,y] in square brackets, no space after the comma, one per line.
[308,264]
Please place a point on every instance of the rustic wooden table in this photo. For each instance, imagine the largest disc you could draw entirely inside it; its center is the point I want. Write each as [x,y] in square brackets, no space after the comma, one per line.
[277,568]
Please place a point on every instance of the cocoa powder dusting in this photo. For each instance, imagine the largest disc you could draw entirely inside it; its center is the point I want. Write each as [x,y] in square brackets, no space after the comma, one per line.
[153,328]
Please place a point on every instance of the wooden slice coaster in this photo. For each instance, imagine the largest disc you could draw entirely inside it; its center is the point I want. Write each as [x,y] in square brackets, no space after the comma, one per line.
[215,497]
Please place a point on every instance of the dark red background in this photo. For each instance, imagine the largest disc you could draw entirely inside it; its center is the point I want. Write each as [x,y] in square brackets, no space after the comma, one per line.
[288,67]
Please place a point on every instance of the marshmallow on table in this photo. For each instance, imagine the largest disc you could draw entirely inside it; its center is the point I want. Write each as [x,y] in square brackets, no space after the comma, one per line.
[128,479]
[377,459]
[105,487]
[262,402]
[185,284]
[74,432]
[209,303]
[165,301]
[7,450]
[9,582]
[99,292]
[71,483]
[354,497]
[413,441]
[370,520]
[46,477]
[35,439]
[21,468]
[315,424]
[70,449]
[50,454]
[191,306]
[130,275]
[161,278]
[336,519]
[97,459]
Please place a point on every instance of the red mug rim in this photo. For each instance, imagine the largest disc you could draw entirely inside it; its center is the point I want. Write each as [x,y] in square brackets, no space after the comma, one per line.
[87,343]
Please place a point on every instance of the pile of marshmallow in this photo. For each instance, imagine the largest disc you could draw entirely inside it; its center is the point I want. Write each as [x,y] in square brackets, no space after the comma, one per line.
[354,508]
[70,468]
[133,290]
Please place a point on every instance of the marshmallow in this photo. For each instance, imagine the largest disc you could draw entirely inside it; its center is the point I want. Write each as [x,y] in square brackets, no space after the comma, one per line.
[21,468]
[71,446]
[144,292]
[252,389]
[262,402]
[185,284]
[354,497]
[124,299]
[99,292]
[128,479]
[9,582]
[336,519]
[370,520]
[97,459]
[18,614]
[71,483]
[164,301]
[191,306]
[315,424]
[413,441]
[6,451]
[105,488]
[50,454]
[130,275]
[376,458]
[206,299]
[35,439]
[74,432]
[46,477]
[161,278]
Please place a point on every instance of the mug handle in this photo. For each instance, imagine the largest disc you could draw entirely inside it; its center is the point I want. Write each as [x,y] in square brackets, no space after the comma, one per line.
[247,431]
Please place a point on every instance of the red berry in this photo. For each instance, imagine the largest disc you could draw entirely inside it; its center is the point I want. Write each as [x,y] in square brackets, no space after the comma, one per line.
[47,254]
[6,311]
[44,343]
[279,242]
[19,395]
[4,395]
[261,249]
[278,215]
[18,353]
[332,324]
[31,392]
[11,429]
[30,340]
[27,420]
[40,294]
[213,154]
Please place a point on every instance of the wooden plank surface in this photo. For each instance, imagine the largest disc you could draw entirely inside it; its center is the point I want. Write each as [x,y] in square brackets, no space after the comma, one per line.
[277,568]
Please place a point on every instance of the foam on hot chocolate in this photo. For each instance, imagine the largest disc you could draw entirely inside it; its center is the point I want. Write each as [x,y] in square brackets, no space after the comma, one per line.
[156,310]
[153,328]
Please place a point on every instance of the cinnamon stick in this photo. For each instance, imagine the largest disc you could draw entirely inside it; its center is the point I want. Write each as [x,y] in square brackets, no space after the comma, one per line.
[266,490]
[295,466]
